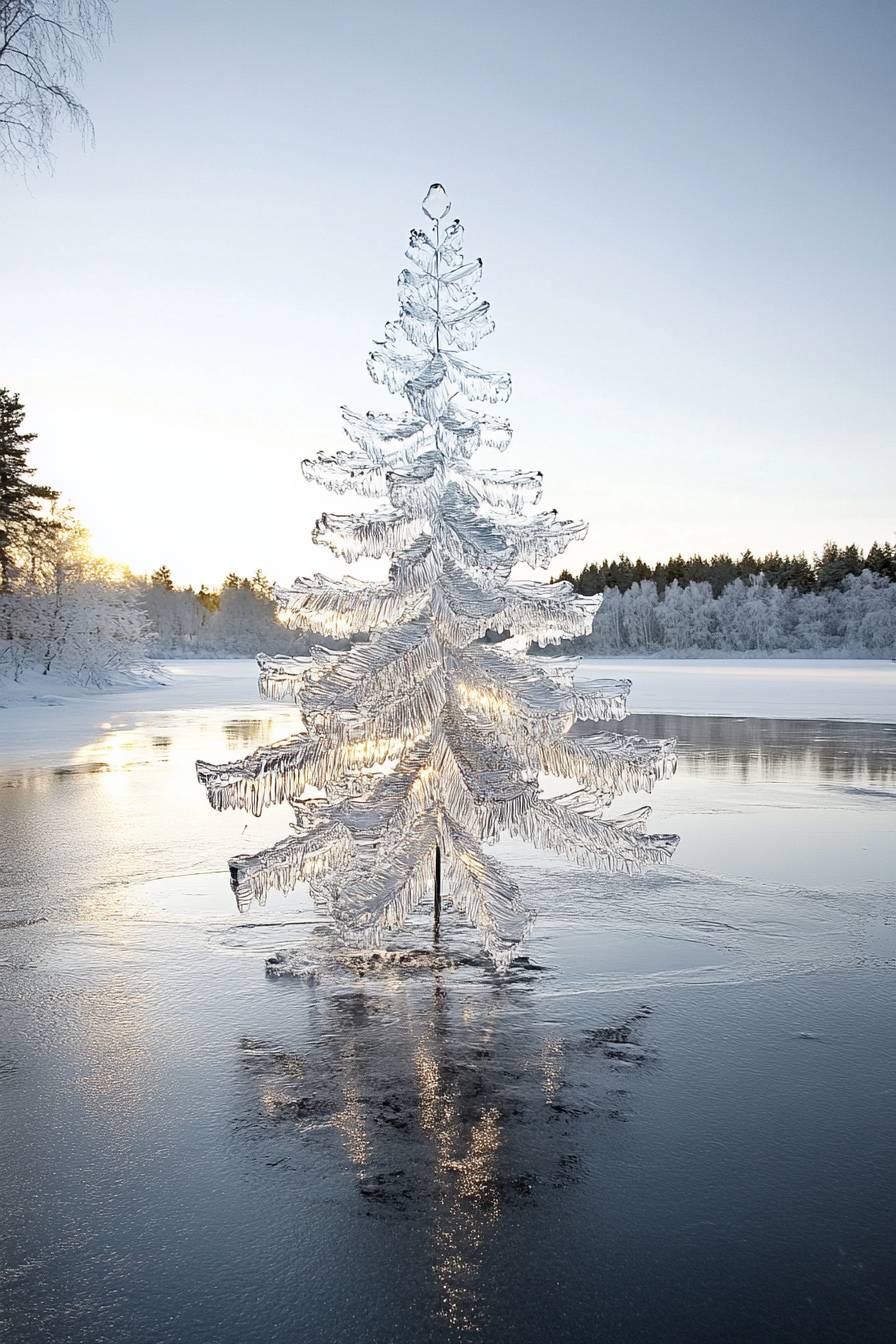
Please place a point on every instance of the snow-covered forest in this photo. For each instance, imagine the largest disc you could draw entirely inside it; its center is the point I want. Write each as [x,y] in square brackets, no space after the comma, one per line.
[239,620]
[68,613]
[841,603]
[855,619]
[827,570]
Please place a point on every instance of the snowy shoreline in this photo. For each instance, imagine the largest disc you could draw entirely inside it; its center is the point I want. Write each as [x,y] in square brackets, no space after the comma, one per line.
[45,722]
[859,690]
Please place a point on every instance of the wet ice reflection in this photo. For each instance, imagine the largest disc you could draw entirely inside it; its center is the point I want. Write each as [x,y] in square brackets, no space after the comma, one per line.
[450,1105]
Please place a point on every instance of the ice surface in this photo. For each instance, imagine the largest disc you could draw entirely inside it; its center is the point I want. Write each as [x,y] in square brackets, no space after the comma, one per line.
[359,1094]
[422,741]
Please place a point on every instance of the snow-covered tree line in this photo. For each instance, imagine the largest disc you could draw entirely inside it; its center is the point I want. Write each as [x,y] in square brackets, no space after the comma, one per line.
[855,620]
[827,570]
[68,613]
[234,622]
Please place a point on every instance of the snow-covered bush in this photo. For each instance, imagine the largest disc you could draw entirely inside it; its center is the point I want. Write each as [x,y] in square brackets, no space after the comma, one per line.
[686,617]
[69,613]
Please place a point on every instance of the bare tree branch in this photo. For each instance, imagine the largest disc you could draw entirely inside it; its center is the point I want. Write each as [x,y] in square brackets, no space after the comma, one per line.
[44,45]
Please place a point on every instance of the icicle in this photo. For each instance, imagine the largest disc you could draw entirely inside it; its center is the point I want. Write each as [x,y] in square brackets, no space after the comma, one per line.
[416,490]
[346,607]
[282,678]
[604,700]
[346,471]
[618,846]
[392,369]
[616,764]
[462,433]
[417,568]
[466,329]
[476,384]
[537,541]
[490,899]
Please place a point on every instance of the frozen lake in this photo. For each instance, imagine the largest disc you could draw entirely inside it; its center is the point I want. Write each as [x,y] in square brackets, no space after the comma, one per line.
[672,1122]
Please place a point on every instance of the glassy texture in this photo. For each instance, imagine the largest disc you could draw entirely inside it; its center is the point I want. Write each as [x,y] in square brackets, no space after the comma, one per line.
[416,748]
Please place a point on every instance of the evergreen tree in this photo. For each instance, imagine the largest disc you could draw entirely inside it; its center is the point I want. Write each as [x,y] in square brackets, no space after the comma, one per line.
[20,498]
[426,741]
[261,585]
[592,580]
[786,571]
[162,579]
[882,560]
[211,601]
[836,563]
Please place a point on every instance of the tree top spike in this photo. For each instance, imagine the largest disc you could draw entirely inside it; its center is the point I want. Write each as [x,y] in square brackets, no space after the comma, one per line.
[436,203]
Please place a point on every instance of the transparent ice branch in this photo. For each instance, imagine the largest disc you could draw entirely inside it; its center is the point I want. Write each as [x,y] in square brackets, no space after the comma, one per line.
[371,534]
[537,541]
[618,846]
[281,678]
[346,471]
[387,438]
[608,761]
[512,490]
[299,858]
[346,607]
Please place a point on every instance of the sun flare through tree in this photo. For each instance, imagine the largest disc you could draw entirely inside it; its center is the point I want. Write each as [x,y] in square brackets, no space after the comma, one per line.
[425,742]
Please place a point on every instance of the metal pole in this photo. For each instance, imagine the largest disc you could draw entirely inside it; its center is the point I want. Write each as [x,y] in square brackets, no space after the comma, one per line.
[437,907]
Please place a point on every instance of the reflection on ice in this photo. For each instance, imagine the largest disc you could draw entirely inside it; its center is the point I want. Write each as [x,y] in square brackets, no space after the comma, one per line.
[449,1105]
[785,750]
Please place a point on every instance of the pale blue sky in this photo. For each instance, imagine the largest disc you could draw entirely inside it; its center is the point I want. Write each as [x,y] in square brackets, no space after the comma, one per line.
[686,211]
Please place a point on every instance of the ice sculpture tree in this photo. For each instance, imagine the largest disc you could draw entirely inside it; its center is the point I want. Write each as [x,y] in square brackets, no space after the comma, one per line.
[420,745]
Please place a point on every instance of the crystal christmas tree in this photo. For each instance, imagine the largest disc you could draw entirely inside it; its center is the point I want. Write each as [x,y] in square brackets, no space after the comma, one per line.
[425,742]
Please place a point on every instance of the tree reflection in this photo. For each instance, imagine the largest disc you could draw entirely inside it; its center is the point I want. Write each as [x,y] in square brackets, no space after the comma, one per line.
[449,1101]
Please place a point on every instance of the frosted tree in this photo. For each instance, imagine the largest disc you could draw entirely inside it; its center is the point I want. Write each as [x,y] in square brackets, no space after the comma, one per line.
[423,744]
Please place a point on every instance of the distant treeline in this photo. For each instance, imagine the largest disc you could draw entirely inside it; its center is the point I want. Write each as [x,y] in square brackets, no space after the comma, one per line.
[829,570]
[855,619]
[237,620]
